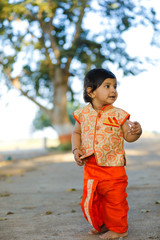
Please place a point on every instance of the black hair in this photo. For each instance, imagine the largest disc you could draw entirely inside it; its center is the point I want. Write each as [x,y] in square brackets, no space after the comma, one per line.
[94,78]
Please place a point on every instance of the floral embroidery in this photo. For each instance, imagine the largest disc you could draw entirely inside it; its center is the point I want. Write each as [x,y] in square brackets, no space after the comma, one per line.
[102,134]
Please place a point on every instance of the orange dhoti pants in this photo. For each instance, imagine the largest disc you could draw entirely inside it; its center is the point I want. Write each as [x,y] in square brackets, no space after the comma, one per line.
[104,196]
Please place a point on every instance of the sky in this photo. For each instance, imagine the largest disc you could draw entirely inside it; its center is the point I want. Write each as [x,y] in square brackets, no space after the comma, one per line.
[138,95]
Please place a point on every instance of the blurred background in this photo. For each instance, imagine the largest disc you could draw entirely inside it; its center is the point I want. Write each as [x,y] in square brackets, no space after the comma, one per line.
[46,48]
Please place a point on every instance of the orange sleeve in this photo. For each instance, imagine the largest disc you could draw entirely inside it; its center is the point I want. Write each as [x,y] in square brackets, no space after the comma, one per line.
[122,116]
[76,115]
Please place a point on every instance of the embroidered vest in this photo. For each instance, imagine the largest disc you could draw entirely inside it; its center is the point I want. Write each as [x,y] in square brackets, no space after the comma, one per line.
[101,134]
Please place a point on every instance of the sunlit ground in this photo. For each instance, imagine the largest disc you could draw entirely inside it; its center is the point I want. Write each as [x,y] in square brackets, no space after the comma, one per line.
[28,155]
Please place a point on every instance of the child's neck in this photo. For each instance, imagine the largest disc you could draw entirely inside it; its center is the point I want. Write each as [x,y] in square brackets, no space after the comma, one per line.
[97,107]
[97,110]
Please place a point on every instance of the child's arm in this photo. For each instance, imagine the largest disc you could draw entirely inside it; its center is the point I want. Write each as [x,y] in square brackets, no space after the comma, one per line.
[76,142]
[131,131]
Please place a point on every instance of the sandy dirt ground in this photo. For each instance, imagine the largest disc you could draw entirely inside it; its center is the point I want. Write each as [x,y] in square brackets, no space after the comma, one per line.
[40,195]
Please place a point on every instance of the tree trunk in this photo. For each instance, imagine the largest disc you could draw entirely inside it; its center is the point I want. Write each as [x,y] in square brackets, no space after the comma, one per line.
[61,120]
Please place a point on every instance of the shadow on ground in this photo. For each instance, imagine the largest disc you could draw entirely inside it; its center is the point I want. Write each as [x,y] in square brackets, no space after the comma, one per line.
[40,195]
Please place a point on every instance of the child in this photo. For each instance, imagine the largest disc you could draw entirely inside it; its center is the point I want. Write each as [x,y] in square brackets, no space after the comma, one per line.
[97,142]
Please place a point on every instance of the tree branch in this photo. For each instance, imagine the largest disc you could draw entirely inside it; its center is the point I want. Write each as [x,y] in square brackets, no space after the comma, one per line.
[16,83]
[77,34]
[48,29]
[53,41]
[50,64]
[46,110]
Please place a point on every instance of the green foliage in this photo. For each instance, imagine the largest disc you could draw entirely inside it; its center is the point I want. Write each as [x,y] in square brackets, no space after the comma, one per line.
[41,121]
[61,148]
[38,37]
[50,25]
[64,147]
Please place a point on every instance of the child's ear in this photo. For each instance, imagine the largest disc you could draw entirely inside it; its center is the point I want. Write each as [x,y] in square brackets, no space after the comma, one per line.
[90,93]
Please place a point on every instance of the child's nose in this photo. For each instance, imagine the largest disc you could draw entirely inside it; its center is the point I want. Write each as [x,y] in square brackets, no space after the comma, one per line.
[113,89]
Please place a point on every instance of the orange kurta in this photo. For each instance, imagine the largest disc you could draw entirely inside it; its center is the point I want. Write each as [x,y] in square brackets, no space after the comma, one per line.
[104,196]
[101,134]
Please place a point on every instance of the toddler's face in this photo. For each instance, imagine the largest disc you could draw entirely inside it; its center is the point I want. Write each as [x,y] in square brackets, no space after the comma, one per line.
[106,93]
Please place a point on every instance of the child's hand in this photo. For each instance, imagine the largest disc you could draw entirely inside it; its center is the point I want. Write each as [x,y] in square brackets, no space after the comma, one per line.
[77,154]
[135,128]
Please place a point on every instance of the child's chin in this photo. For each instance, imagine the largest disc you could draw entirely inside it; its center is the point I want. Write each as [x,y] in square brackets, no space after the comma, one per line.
[112,100]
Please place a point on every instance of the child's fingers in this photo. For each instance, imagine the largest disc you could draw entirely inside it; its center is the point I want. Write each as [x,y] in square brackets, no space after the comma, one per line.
[136,131]
[136,126]
[81,162]
[77,155]
[78,161]
[79,152]
[133,125]
[136,123]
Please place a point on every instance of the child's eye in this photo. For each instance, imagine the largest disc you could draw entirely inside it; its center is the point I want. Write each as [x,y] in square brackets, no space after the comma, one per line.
[107,86]
[115,87]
